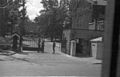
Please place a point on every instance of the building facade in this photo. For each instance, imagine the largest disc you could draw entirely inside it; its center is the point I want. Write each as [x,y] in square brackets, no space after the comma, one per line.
[86,25]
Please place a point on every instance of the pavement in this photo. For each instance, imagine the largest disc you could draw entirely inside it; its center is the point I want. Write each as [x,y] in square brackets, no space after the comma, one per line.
[47,64]
[86,59]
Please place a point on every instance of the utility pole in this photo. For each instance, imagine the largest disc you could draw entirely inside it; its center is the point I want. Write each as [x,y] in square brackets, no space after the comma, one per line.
[22,31]
[95,9]
[23,17]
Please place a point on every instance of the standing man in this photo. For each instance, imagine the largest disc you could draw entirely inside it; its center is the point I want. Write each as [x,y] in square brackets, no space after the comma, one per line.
[43,44]
[54,47]
[39,45]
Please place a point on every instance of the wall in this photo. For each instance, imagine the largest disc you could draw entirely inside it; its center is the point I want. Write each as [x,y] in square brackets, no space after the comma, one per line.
[67,34]
[73,48]
[81,14]
[85,34]
[99,50]
[94,49]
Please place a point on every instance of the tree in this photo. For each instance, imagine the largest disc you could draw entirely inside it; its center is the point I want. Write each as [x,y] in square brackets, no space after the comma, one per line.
[53,16]
[17,18]
[3,17]
[17,15]
[43,22]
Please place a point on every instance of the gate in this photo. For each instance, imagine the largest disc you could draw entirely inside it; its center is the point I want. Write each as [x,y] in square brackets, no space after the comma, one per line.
[30,43]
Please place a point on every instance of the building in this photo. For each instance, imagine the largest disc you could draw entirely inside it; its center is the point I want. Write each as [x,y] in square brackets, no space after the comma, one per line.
[87,24]
[97,48]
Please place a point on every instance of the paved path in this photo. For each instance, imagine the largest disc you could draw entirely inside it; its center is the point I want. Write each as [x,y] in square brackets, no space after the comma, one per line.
[47,64]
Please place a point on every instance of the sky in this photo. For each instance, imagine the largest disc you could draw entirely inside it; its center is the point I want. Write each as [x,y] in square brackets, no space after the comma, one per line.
[33,8]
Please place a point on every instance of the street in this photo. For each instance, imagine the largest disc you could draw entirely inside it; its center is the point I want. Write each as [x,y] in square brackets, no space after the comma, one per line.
[47,64]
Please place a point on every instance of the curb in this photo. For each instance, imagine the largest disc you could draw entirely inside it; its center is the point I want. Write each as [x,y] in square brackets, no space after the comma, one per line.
[90,60]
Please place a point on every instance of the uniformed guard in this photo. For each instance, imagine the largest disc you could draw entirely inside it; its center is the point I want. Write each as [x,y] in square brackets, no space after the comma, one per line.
[39,45]
[54,47]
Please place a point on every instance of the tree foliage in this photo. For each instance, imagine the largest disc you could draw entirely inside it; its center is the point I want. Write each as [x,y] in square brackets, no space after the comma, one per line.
[81,11]
[17,14]
[53,17]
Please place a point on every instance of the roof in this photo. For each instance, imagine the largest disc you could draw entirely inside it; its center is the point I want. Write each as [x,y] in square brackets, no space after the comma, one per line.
[16,34]
[99,2]
[97,39]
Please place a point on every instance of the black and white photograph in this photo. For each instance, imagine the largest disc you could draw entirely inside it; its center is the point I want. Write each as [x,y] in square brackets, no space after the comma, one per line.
[59,38]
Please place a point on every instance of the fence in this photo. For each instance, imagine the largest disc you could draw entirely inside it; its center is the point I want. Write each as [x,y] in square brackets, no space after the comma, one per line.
[30,43]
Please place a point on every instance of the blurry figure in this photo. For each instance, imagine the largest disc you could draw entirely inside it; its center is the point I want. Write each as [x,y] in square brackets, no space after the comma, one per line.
[54,47]
[39,45]
[42,48]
